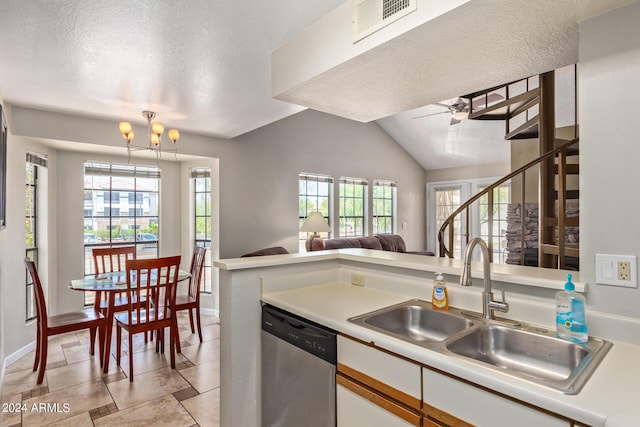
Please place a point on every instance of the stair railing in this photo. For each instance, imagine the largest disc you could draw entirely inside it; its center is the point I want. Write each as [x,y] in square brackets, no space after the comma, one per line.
[447,227]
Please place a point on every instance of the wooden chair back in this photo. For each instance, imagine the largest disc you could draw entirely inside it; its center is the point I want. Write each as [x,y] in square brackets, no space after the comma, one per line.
[197,264]
[107,260]
[151,290]
[41,307]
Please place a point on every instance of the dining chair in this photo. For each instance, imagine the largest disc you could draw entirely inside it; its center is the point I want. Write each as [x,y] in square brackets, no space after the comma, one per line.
[108,260]
[152,313]
[191,301]
[47,326]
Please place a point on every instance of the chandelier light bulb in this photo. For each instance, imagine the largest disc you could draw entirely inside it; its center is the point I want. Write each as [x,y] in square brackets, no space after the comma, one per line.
[174,135]
[155,139]
[157,128]
[125,127]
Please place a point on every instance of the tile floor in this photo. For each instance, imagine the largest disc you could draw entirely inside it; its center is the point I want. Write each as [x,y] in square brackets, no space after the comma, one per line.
[76,393]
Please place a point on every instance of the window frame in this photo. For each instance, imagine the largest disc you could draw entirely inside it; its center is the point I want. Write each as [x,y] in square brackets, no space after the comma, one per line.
[347,195]
[392,200]
[31,251]
[304,209]
[206,285]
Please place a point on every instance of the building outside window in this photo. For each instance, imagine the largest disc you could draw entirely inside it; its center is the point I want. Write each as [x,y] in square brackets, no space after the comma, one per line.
[384,207]
[121,206]
[353,200]
[314,194]
[202,221]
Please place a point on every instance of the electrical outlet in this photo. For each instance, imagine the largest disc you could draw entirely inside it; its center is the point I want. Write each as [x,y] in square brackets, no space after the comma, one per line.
[624,270]
[617,270]
[357,279]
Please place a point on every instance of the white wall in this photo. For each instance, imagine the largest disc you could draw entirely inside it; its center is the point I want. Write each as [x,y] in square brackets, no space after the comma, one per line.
[609,150]
[259,180]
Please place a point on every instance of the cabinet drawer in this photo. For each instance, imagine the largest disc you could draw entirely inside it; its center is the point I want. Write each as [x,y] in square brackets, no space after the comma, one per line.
[444,395]
[393,376]
[358,406]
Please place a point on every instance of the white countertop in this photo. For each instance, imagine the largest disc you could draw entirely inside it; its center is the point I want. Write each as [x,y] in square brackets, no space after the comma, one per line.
[610,398]
[530,276]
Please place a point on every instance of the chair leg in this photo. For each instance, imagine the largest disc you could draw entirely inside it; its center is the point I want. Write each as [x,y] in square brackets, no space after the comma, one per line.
[191,320]
[118,344]
[173,339]
[198,320]
[92,341]
[43,359]
[38,339]
[101,332]
[130,356]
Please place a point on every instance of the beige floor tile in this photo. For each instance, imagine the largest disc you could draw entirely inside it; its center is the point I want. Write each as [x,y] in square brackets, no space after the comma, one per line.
[207,351]
[146,361]
[11,413]
[24,363]
[80,420]
[76,373]
[205,408]
[145,387]
[164,411]
[17,382]
[79,353]
[61,404]
[209,333]
[203,377]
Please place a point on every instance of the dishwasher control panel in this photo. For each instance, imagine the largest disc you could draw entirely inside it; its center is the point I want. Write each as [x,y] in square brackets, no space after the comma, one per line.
[302,333]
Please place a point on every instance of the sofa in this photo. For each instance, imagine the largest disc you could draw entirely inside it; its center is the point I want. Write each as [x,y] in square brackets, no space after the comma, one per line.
[381,242]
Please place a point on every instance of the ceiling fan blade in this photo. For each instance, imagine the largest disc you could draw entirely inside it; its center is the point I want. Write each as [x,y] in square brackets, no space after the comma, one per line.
[454,121]
[432,114]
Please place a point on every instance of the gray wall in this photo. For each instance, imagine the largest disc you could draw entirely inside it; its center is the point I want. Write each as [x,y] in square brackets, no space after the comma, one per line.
[259,202]
[609,149]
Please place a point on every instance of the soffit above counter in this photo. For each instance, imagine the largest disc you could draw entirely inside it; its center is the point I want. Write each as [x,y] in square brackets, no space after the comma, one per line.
[442,50]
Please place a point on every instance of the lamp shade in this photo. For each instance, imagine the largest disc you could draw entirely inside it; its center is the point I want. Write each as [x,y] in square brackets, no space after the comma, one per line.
[315,223]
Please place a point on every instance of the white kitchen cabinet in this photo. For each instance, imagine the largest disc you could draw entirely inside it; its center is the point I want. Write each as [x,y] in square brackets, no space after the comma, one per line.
[376,388]
[456,403]
[360,406]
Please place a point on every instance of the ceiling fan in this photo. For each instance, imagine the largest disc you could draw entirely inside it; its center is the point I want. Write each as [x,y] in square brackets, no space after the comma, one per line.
[459,110]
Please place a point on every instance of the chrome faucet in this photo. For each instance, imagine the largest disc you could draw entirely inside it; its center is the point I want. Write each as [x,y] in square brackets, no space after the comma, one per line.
[488,304]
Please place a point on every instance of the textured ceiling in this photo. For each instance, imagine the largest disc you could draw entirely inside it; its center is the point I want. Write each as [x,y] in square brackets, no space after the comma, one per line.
[205,66]
[202,65]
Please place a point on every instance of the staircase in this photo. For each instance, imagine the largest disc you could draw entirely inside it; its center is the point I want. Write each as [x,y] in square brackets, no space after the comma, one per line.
[528,109]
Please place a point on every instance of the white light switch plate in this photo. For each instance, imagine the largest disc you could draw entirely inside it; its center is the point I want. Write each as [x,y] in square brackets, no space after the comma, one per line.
[607,270]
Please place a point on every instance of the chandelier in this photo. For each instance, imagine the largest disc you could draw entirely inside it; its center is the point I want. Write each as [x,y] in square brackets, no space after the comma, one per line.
[154,131]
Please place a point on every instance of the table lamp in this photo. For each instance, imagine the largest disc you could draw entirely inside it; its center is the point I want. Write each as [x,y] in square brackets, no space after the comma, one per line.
[315,223]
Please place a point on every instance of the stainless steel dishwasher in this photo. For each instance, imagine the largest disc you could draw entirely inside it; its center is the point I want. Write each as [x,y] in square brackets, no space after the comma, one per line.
[298,371]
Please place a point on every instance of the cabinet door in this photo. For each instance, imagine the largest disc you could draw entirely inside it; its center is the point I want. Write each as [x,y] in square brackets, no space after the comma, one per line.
[359,406]
[443,394]
[393,376]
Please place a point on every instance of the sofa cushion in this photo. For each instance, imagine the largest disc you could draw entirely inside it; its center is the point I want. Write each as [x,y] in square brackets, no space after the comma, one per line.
[344,242]
[370,242]
[276,250]
[391,242]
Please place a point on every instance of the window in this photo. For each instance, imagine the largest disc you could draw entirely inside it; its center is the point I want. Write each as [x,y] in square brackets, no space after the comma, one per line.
[314,194]
[31,233]
[447,200]
[202,221]
[501,199]
[106,225]
[353,197]
[445,197]
[33,164]
[384,207]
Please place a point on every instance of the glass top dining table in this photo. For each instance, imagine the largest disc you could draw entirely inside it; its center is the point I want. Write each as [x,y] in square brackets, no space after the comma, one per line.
[111,283]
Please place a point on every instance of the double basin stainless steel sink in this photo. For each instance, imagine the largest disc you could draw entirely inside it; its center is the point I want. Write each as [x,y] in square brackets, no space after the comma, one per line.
[524,351]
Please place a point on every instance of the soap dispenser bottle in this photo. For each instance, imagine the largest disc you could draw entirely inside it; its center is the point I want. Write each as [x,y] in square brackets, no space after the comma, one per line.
[439,297]
[571,320]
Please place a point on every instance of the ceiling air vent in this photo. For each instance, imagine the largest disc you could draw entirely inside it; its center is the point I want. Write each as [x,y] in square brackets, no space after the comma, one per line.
[371,15]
